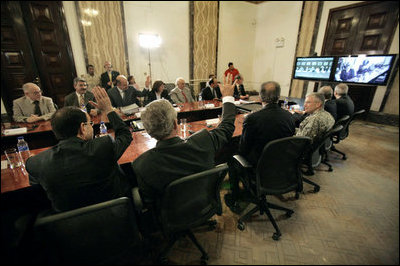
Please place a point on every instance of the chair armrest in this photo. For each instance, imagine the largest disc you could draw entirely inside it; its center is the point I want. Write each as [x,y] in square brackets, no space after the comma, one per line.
[137,200]
[243,162]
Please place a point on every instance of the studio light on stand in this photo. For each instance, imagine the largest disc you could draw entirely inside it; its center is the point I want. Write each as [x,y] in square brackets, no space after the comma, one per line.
[149,41]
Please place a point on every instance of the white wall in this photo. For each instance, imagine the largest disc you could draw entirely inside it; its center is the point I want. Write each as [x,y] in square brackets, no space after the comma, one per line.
[171,21]
[275,20]
[236,39]
[74,36]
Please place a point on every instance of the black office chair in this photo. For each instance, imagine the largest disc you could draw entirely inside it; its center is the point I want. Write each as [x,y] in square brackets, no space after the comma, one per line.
[342,121]
[277,172]
[344,133]
[318,154]
[102,233]
[187,203]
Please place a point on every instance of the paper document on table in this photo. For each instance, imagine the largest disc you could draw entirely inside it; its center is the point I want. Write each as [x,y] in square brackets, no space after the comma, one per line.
[237,102]
[209,105]
[177,109]
[212,121]
[3,165]
[15,131]
[130,109]
[243,101]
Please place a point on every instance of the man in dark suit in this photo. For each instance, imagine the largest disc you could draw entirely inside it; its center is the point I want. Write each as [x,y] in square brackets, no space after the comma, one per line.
[79,170]
[81,97]
[270,123]
[330,104]
[212,91]
[122,94]
[344,103]
[173,157]
[108,78]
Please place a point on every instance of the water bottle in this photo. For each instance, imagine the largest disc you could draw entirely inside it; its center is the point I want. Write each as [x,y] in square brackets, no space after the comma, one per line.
[23,149]
[285,103]
[201,104]
[83,108]
[103,129]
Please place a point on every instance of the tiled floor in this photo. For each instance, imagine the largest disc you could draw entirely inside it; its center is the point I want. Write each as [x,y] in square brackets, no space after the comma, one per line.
[353,219]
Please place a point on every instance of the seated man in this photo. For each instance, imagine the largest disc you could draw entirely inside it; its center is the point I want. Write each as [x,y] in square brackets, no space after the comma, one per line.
[270,123]
[122,94]
[33,106]
[181,94]
[173,157]
[239,92]
[212,91]
[81,97]
[79,170]
[344,103]
[330,105]
[319,121]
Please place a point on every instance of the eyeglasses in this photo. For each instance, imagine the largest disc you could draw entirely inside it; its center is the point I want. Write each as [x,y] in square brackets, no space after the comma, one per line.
[91,123]
[37,92]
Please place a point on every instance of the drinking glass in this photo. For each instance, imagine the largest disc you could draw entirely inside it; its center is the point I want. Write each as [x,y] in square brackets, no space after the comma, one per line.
[13,157]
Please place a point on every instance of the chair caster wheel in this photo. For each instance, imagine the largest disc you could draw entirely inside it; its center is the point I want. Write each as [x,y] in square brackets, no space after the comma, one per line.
[276,236]
[204,260]
[330,169]
[297,196]
[240,226]
[316,189]
[344,158]
[289,214]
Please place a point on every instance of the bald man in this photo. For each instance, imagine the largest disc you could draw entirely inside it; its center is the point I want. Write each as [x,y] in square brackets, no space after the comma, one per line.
[108,78]
[122,94]
[33,106]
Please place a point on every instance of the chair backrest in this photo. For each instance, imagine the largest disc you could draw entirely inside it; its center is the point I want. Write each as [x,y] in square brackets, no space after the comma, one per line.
[345,130]
[190,201]
[345,122]
[319,146]
[94,234]
[278,169]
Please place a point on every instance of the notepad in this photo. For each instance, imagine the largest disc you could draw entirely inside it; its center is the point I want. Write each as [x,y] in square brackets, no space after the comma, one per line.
[212,121]
[130,109]
[209,105]
[4,165]
[15,131]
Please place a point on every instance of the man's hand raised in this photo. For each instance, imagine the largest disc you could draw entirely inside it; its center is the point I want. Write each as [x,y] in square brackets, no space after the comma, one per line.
[228,87]
[103,101]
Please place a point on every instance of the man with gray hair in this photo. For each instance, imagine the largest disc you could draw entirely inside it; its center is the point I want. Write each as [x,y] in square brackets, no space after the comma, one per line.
[270,123]
[329,105]
[318,121]
[81,97]
[33,106]
[344,103]
[173,157]
[181,94]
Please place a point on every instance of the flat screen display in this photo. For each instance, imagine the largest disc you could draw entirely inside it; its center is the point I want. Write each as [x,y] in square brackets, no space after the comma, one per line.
[313,68]
[371,69]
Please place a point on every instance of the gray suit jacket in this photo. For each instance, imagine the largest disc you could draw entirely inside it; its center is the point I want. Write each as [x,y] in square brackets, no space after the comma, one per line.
[72,100]
[175,158]
[177,96]
[23,108]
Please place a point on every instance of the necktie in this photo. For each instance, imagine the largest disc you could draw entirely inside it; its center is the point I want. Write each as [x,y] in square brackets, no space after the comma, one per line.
[123,95]
[110,77]
[186,100]
[37,108]
[81,100]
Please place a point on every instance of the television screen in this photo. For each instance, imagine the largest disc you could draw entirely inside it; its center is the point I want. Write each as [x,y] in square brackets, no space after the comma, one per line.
[371,69]
[313,68]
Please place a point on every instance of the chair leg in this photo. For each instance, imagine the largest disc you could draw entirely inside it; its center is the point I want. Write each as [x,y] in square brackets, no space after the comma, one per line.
[204,255]
[249,214]
[333,148]
[316,187]
[277,207]
[162,258]
[329,165]
[277,234]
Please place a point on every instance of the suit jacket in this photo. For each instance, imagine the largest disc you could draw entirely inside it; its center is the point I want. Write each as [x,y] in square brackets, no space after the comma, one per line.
[345,106]
[206,93]
[77,173]
[24,107]
[330,107]
[105,78]
[270,123]
[174,158]
[72,100]
[177,96]
[130,97]
[241,92]
[151,96]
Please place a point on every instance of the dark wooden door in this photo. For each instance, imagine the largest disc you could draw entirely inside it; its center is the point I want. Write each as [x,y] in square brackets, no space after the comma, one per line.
[365,28]
[37,38]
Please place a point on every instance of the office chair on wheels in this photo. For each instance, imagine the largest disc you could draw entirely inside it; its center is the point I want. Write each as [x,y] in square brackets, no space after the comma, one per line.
[277,172]
[187,203]
[344,133]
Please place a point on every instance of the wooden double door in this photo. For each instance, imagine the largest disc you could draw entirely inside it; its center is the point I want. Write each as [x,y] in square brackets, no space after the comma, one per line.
[365,28]
[35,47]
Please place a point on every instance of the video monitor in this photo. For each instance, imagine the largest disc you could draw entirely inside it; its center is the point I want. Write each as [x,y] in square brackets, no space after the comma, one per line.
[313,68]
[370,69]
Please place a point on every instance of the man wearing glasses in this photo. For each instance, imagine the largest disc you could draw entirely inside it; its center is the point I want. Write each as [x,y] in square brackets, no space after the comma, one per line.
[33,106]
[79,170]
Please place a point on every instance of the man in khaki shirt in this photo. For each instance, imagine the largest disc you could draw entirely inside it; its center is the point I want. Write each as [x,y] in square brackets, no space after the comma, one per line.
[92,80]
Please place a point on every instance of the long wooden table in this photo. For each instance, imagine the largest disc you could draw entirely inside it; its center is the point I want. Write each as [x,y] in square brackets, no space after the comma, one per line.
[12,179]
